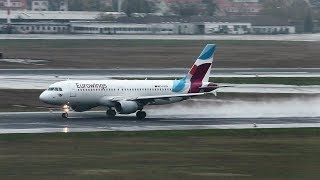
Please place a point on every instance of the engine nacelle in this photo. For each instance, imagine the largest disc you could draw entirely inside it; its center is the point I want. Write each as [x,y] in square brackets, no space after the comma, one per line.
[126,107]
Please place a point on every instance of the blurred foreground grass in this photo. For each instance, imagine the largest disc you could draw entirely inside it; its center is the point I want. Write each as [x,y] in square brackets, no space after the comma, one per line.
[195,154]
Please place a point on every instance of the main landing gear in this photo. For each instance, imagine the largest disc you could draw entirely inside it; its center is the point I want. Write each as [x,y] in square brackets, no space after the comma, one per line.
[141,115]
[111,113]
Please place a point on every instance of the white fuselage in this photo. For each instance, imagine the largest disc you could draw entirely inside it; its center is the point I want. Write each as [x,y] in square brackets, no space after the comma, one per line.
[85,94]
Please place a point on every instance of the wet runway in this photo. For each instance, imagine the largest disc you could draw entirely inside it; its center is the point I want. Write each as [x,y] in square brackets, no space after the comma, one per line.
[42,78]
[46,122]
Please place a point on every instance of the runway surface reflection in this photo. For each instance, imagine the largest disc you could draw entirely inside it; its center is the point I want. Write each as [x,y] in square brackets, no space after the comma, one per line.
[48,122]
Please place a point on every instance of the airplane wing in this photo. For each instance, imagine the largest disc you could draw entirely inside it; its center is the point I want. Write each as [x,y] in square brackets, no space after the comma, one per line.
[163,96]
[106,99]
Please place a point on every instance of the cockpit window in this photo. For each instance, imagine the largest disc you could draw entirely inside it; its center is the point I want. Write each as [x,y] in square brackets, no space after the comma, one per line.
[55,89]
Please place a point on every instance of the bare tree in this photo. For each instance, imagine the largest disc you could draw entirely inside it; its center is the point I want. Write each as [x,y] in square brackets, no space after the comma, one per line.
[185,9]
[209,7]
[139,6]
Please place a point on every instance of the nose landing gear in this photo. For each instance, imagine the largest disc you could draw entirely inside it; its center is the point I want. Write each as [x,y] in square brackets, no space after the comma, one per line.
[65,115]
[66,109]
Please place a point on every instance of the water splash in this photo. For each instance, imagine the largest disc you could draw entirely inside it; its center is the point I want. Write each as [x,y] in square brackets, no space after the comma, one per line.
[283,107]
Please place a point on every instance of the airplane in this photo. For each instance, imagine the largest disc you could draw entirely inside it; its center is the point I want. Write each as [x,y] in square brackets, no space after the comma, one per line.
[131,96]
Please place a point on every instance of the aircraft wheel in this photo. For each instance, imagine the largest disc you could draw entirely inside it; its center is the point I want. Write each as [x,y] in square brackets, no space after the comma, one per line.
[111,113]
[141,115]
[65,115]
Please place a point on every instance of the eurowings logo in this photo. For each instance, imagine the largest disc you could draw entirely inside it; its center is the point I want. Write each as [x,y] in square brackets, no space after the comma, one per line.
[178,85]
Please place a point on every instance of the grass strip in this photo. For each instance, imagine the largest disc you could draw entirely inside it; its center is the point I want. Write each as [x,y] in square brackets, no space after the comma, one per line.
[170,134]
[193,154]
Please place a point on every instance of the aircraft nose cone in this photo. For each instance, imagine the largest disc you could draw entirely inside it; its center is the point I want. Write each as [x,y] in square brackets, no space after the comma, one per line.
[44,97]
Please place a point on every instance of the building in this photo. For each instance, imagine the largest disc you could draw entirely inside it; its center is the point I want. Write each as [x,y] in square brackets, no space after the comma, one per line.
[54,16]
[63,5]
[164,28]
[130,28]
[238,7]
[41,28]
[224,28]
[15,4]
[109,28]
[160,28]
[86,22]
[270,25]
[40,5]
[273,30]
[178,28]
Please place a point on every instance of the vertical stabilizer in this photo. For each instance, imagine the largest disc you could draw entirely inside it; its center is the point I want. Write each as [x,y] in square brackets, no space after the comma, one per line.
[199,74]
[200,71]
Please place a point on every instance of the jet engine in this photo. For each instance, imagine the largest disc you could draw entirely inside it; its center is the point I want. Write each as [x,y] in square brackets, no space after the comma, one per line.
[126,107]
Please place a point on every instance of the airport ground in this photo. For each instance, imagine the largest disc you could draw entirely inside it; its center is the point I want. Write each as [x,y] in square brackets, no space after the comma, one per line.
[102,54]
[195,154]
[158,53]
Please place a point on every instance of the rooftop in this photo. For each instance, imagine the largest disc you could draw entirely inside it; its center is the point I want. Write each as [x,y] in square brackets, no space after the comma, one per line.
[255,20]
[55,15]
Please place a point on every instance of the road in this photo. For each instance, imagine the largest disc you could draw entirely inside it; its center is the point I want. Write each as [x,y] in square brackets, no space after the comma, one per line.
[46,122]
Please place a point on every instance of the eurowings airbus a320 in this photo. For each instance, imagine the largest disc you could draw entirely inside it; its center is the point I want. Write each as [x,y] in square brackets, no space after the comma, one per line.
[131,96]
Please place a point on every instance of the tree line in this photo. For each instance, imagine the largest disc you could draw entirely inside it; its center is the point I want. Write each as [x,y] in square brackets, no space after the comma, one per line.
[290,9]
[207,7]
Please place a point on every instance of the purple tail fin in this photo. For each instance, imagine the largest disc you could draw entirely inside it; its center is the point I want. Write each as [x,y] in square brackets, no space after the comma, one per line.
[200,71]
